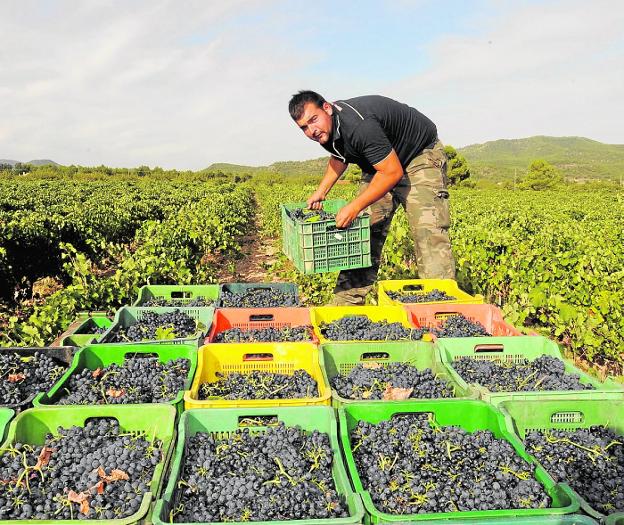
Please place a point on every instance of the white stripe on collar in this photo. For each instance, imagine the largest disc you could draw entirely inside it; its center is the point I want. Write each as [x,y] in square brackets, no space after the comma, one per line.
[359,114]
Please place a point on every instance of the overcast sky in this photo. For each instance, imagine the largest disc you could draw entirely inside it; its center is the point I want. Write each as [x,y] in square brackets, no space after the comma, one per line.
[183,84]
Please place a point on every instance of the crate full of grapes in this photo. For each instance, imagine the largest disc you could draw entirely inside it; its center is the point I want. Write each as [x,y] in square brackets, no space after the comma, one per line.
[312,241]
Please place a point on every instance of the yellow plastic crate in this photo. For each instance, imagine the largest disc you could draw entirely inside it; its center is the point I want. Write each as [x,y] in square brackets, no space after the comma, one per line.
[327,314]
[283,358]
[425,286]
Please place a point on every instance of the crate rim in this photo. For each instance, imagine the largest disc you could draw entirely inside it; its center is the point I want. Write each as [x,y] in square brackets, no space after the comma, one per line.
[381,516]
[324,397]
[147,288]
[577,404]
[190,350]
[191,339]
[607,389]
[334,441]
[339,401]
[157,478]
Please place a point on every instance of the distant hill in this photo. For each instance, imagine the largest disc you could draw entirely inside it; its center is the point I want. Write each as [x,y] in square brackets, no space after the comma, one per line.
[293,167]
[577,157]
[36,162]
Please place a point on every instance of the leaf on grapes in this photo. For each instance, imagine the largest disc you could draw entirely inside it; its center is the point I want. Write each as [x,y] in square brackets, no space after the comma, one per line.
[44,457]
[396,394]
[372,366]
[366,394]
[99,486]
[115,475]
[96,373]
[14,378]
[112,392]
[27,359]
[82,498]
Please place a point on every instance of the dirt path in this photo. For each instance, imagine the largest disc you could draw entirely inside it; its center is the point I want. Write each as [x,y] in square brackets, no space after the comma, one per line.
[258,255]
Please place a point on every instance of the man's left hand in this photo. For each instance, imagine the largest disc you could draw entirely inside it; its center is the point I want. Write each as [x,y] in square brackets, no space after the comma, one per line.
[347,215]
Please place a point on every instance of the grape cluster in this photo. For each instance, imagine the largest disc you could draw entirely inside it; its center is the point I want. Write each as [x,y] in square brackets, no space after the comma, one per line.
[460,326]
[361,328]
[281,474]
[411,465]
[258,298]
[420,297]
[375,381]
[590,460]
[303,215]
[260,385]
[180,303]
[543,373]
[153,326]
[91,472]
[137,380]
[24,376]
[265,335]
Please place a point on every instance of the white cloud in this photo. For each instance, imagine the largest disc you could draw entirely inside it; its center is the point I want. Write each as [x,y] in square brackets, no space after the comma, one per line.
[552,69]
[185,84]
[158,83]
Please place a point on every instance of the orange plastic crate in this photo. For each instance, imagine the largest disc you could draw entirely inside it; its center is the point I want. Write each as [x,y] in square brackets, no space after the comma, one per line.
[258,318]
[433,315]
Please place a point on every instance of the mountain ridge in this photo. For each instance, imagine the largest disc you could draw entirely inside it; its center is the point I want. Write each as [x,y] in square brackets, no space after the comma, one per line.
[579,158]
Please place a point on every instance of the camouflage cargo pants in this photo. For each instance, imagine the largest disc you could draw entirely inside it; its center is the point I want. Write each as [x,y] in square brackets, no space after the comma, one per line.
[423,193]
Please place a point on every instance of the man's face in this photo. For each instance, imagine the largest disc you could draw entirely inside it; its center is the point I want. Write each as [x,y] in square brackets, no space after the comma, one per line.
[316,123]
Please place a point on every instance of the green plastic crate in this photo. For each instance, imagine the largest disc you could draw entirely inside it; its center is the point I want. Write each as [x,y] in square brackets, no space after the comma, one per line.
[100,356]
[471,415]
[62,355]
[226,420]
[317,247]
[615,519]
[340,358]
[244,287]
[80,338]
[177,292]
[514,350]
[31,426]
[129,315]
[523,417]
[6,414]
[567,519]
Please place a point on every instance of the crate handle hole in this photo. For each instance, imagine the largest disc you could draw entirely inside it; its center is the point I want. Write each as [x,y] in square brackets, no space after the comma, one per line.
[181,295]
[445,315]
[262,356]
[430,415]
[140,355]
[257,421]
[374,356]
[97,419]
[489,348]
[261,317]
[413,288]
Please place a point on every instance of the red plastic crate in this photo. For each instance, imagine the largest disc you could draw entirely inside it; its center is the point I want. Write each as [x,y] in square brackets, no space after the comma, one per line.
[433,315]
[257,318]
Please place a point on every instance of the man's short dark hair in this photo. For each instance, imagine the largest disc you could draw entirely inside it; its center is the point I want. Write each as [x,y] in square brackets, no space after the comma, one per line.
[298,101]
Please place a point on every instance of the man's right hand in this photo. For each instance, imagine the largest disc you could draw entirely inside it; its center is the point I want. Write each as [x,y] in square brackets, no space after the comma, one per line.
[315,201]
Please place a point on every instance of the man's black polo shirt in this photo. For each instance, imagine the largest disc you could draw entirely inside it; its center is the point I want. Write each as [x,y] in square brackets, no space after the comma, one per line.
[367,128]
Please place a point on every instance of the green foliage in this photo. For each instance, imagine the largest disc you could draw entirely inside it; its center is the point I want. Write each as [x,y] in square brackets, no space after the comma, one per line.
[577,158]
[552,260]
[458,170]
[164,251]
[541,176]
